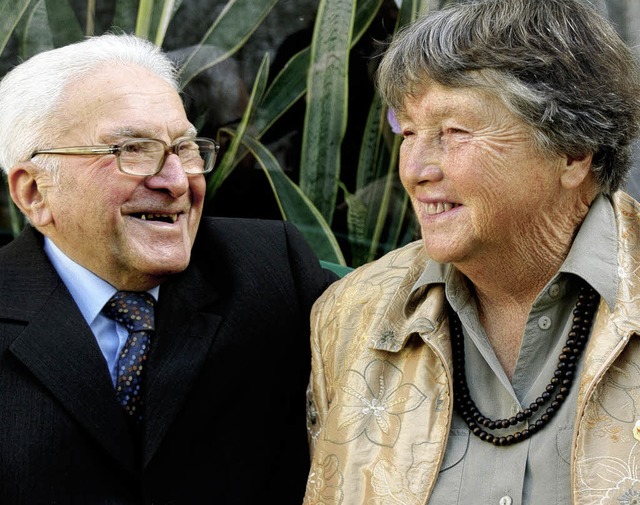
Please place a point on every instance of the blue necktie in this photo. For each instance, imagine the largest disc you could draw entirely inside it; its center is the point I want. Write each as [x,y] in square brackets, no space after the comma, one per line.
[134,311]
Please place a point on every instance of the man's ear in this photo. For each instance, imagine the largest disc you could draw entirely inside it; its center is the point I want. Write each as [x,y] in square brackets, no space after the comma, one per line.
[27,187]
[576,171]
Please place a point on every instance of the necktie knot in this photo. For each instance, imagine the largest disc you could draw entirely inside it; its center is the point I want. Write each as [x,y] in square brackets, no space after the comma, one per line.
[132,309]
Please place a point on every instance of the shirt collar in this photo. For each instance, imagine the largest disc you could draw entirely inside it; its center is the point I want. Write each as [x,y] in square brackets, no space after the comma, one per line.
[89,291]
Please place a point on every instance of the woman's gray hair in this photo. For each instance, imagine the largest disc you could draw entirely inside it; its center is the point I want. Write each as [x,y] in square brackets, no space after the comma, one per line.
[31,94]
[557,64]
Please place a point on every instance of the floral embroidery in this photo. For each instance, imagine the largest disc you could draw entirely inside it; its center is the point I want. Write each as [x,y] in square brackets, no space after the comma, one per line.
[627,492]
[618,480]
[390,487]
[386,336]
[324,486]
[372,404]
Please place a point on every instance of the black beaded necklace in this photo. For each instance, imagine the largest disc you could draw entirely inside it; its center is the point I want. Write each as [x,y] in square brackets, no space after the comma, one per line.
[583,316]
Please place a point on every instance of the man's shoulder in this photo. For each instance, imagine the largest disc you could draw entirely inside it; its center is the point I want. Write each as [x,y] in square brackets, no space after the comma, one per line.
[239,228]
[22,250]
[240,242]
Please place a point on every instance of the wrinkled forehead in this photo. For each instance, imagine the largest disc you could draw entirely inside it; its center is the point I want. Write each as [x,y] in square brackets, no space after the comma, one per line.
[123,98]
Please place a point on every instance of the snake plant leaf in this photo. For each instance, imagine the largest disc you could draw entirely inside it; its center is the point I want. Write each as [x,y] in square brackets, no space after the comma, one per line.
[126,15]
[291,82]
[366,11]
[144,18]
[63,23]
[233,153]
[33,31]
[11,12]
[235,24]
[286,89]
[295,206]
[326,113]
[371,144]
[161,24]
[153,17]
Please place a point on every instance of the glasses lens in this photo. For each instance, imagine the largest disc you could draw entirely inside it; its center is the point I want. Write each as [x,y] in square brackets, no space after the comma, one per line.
[141,157]
[197,155]
[146,156]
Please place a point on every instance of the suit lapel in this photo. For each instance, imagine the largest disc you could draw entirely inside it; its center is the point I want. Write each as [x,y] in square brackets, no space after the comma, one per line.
[186,326]
[61,351]
[57,345]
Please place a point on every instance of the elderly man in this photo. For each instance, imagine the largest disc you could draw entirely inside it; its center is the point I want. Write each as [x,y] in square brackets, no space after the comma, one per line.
[135,337]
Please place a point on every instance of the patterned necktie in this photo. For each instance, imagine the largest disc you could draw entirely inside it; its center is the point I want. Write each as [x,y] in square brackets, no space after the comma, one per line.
[134,311]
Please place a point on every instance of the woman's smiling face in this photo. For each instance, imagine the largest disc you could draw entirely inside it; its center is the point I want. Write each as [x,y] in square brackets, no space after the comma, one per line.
[474,176]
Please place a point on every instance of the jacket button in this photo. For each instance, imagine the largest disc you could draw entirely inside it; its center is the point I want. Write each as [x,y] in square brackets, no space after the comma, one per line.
[506,500]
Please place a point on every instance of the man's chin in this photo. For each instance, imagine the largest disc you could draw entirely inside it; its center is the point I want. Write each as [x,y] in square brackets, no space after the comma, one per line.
[163,267]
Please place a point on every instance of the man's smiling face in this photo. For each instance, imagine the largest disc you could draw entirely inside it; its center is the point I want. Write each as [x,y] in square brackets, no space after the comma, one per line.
[132,231]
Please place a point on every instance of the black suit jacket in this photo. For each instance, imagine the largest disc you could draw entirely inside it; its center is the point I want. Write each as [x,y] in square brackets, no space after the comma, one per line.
[225,379]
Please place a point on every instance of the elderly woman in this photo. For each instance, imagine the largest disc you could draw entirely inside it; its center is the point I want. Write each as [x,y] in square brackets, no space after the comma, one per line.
[497,360]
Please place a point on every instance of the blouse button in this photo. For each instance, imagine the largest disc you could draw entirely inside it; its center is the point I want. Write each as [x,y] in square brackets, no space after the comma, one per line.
[506,500]
[544,322]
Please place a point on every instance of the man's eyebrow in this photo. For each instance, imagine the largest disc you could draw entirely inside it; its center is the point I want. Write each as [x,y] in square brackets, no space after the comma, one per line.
[191,132]
[130,132]
[140,133]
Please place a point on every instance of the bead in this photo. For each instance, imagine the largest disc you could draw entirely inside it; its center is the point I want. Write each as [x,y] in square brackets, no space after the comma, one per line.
[583,314]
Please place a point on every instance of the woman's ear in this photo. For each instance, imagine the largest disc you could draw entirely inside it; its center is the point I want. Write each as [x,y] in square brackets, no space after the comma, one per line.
[28,192]
[576,171]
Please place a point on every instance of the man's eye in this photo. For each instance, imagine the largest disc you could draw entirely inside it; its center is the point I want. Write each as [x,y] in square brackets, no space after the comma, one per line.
[132,147]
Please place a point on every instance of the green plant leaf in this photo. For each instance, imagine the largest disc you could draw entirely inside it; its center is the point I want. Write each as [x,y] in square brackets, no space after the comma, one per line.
[371,144]
[11,11]
[285,90]
[161,25]
[235,24]
[366,11]
[33,32]
[291,82]
[326,113]
[233,153]
[144,18]
[126,15]
[153,17]
[295,206]
[63,23]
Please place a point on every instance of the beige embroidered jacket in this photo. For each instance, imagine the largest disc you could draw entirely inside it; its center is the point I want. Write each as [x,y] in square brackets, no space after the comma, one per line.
[380,398]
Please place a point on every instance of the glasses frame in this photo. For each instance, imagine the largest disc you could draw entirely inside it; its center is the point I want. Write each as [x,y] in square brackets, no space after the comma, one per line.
[116,150]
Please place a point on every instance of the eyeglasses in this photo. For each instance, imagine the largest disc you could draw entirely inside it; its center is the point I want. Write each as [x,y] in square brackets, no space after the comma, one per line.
[147,156]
